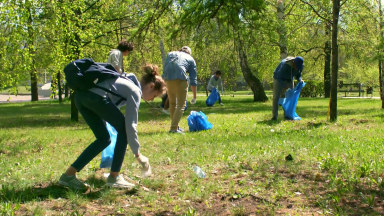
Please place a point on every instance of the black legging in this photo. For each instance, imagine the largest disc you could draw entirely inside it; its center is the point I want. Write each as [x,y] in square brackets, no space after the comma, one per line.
[95,111]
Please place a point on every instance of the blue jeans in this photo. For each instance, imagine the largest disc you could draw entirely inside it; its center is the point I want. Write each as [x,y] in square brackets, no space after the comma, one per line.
[95,111]
[218,94]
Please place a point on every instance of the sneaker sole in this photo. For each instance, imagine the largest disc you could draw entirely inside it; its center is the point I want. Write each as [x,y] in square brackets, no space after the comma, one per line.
[65,184]
[113,185]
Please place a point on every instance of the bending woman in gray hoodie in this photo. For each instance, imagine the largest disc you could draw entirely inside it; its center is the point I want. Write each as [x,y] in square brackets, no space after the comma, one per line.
[97,106]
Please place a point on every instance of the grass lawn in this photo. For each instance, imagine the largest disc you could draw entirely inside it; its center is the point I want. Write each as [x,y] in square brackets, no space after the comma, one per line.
[337,168]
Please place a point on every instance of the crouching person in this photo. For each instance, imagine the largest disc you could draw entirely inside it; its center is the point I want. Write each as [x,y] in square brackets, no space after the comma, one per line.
[97,106]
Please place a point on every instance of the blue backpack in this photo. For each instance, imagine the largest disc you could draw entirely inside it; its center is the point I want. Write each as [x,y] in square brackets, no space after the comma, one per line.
[83,74]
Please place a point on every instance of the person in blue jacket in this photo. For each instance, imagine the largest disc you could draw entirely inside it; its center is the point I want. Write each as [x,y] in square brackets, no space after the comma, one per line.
[179,67]
[288,68]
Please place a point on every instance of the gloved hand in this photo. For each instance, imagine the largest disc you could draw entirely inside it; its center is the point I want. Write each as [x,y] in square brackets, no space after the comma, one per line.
[193,101]
[145,167]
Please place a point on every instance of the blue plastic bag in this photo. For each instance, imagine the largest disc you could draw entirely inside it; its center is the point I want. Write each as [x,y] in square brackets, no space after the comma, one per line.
[212,98]
[290,102]
[107,154]
[198,121]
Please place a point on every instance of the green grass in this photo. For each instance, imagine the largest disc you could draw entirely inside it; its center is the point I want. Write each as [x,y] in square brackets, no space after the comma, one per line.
[337,168]
[21,90]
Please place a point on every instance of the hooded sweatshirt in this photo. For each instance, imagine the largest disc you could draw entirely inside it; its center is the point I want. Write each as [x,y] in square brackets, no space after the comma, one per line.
[285,72]
[130,89]
[213,82]
[115,58]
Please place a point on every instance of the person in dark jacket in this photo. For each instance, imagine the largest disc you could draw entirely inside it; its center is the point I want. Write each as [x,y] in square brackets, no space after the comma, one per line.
[289,68]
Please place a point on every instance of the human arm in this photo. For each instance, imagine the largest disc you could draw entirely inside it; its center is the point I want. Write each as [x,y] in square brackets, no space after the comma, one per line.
[192,70]
[131,120]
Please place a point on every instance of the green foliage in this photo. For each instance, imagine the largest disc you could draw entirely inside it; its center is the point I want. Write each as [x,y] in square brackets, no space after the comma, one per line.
[312,88]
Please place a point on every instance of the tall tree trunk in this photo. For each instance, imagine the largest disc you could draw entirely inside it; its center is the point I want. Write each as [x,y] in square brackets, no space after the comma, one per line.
[327,63]
[282,31]
[76,53]
[66,90]
[59,87]
[335,61]
[31,53]
[252,80]
[381,62]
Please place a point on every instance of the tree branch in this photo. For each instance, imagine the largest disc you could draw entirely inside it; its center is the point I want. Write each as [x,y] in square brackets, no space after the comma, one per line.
[343,3]
[290,10]
[93,4]
[105,34]
[316,12]
[309,50]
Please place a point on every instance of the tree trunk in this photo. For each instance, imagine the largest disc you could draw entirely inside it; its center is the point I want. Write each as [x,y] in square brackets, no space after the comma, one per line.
[34,87]
[327,63]
[281,30]
[381,63]
[66,90]
[162,50]
[252,80]
[59,87]
[76,53]
[31,53]
[74,111]
[335,61]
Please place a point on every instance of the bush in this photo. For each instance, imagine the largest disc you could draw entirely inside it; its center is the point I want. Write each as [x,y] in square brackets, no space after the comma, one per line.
[313,88]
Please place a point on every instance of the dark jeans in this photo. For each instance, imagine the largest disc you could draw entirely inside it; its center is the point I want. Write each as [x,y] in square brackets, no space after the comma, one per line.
[95,111]
[218,94]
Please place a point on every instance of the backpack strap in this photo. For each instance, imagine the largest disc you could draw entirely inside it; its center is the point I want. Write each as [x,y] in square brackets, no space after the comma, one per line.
[113,93]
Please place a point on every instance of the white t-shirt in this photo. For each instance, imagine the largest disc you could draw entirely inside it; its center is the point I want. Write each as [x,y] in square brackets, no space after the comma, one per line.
[115,58]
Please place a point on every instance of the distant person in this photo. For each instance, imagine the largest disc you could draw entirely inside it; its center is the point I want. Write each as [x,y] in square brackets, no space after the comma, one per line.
[288,68]
[176,66]
[115,57]
[216,82]
[97,107]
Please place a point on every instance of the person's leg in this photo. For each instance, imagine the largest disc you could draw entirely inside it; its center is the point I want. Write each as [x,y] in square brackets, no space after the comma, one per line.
[276,96]
[181,97]
[171,91]
[95,109]
[219,97]
[166,104]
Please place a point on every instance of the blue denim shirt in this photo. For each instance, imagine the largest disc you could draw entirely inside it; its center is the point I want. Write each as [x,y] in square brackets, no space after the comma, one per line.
[177,65]
[285,72]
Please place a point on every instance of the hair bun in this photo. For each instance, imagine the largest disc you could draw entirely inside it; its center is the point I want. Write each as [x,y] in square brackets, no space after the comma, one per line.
[151,69]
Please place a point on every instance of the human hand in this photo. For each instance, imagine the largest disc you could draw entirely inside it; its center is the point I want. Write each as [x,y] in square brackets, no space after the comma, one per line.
[145,167]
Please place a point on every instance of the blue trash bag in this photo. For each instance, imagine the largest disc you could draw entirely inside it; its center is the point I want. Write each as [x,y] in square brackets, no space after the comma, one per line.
[107,154]
[198,121]
[290,102]
[212,98]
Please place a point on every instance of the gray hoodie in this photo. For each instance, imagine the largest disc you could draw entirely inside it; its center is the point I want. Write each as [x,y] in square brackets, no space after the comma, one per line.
[131,91]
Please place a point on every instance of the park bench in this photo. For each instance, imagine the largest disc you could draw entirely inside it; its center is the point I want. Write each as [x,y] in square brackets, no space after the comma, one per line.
[350,87]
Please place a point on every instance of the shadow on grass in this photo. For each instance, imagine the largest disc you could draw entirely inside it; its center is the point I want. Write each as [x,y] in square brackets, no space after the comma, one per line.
[41,192]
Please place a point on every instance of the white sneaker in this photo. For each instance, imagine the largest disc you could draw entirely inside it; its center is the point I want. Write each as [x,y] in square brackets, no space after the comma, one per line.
[119,182]
[221,104]
[165,111]
[193,101]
